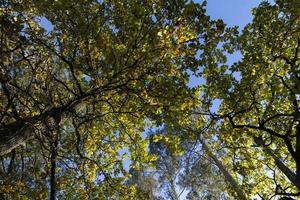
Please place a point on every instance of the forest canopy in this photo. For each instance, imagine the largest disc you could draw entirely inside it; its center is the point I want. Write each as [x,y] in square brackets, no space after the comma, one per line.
[95,101]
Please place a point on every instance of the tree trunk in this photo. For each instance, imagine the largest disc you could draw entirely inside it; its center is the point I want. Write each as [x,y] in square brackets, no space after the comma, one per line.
[53,169]
[228,177]
[172,190]
[297,152]
[283,168]
[13,135]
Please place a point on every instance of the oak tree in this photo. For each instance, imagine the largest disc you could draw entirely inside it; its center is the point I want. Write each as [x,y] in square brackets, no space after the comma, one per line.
[79,80]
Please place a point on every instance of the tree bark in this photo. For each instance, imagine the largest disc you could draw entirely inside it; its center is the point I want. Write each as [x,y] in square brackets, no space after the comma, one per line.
[13,135]
[172,190]
[228,177]
[53,169]
[283,168]
[297,152]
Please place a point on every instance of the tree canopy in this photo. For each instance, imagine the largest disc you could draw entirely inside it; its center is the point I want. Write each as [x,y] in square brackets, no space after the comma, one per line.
[95,102]
[259,112]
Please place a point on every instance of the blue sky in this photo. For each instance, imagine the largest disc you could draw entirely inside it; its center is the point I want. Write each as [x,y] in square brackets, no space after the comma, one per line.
[233,12]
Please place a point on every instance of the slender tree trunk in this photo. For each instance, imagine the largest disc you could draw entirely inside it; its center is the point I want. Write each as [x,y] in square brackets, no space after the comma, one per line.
[297,152]
[228,177]
[172,190]
[283,168]
[52,177]
[53,169]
